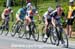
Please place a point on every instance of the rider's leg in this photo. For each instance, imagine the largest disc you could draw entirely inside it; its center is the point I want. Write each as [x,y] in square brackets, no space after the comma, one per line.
[28,20]
[59,23]
[7,24]
[3,21]
[46,28]
[69,27]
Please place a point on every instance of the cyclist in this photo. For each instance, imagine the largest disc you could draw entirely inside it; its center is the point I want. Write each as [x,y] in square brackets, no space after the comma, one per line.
[30,15]
[56,19]
[20,15]
[56,15]
[5,15]
[47,20]
[70,18]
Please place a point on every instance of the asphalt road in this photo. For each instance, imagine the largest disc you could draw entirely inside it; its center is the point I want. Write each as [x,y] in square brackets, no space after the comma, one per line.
[8,42]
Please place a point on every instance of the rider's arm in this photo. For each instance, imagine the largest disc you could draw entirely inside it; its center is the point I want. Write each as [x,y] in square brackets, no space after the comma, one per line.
[2,16]
[53,21]
[46,21]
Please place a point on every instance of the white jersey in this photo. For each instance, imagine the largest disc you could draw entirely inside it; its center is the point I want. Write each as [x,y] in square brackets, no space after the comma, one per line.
[53,12]
[46,15]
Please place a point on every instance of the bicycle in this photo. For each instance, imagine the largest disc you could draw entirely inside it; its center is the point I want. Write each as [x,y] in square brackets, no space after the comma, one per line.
[62,36]
[32,31]
[50,33]
[5,26]
[18,28]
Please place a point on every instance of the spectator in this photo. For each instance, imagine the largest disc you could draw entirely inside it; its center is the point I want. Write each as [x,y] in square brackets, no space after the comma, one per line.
[70,18]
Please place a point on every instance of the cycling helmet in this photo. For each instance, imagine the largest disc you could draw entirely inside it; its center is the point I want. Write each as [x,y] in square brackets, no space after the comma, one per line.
[50,9]
[29,4]
[59,8]
[58,5]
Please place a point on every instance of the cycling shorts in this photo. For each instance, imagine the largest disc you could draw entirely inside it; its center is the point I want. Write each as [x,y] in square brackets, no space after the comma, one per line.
[49,21]
[70,21]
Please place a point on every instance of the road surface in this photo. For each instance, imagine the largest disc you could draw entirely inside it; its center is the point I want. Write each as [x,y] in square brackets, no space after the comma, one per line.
[8,42]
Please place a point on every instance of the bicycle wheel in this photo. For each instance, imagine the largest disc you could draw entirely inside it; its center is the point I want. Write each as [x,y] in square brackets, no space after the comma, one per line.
[6,30]
[53,36]
[43,35]
[21,31]
[1,30]
[14,30]
[27,32]
[27,35]
[64,39]
[35,33]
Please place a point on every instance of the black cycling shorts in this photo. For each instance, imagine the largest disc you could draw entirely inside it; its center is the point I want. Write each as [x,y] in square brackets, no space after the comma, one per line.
[70,21]
[49,21]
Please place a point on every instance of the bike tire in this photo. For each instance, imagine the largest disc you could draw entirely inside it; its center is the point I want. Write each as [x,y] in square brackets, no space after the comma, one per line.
[35,34]
[43,34]
[13,33]
[65,39]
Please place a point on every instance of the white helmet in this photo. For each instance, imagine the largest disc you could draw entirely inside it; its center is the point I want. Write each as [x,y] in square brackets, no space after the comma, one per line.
[50,9]
[71,0]
[29,4]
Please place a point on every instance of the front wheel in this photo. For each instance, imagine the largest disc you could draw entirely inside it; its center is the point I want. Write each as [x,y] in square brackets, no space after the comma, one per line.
[43,35]
[64,39]
[53,37]
[35,34]
[13,33]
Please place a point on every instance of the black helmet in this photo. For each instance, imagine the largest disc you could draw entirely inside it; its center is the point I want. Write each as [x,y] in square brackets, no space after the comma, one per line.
[58,5]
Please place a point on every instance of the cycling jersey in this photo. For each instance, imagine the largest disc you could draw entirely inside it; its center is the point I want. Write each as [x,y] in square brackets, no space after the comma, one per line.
[7,11]
[71,11]
[57,17]
[22,13]
[55,14]
[46,15]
